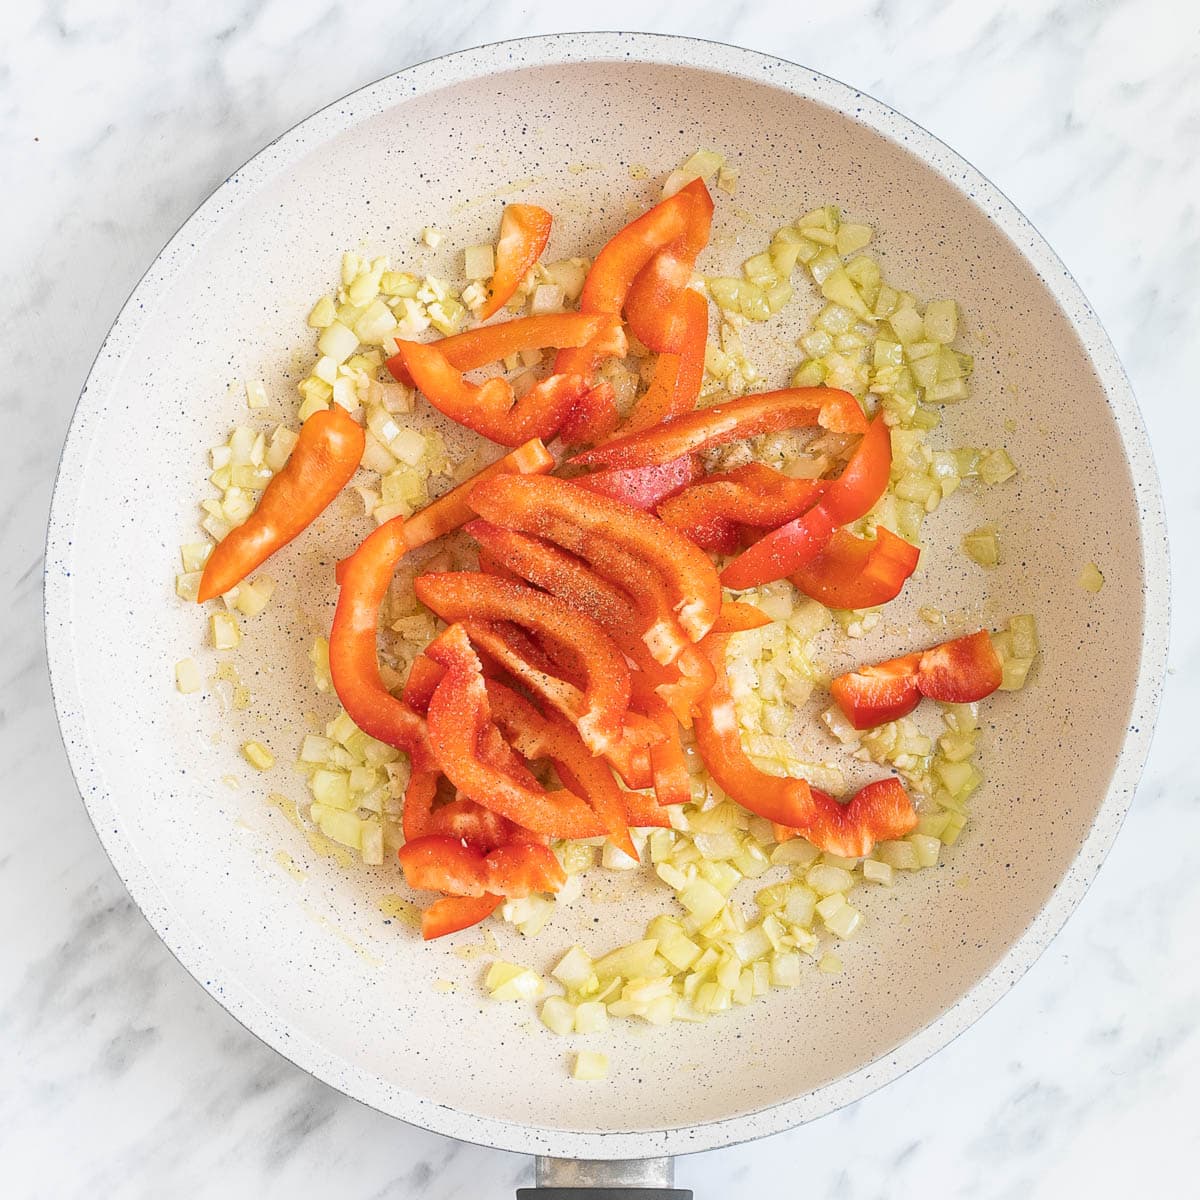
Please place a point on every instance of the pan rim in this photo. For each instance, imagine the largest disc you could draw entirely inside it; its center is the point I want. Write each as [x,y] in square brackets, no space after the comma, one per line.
[661,50]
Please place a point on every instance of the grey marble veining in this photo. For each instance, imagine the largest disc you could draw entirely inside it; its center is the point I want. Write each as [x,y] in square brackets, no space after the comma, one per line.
[118,1076]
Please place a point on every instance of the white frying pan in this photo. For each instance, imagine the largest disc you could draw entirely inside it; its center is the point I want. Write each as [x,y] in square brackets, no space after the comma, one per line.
[303,956]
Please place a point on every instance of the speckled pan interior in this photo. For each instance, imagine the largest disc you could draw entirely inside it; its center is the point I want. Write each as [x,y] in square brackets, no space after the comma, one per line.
[304,957]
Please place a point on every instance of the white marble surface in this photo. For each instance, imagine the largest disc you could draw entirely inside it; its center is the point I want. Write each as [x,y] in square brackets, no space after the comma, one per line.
[119,1077]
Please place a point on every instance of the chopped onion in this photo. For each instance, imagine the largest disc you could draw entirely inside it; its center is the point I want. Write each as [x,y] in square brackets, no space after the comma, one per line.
[590,1065]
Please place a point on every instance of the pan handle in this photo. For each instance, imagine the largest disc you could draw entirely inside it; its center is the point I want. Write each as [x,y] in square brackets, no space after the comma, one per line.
[582,1179]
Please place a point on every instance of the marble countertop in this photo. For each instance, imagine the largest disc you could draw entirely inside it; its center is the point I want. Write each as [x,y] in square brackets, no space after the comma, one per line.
[119,1077]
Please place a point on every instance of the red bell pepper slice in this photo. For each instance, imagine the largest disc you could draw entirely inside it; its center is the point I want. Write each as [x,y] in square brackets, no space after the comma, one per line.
[668,763]
[962,671]
[738,616]
[879,812]
[475,348]
[655,306]
[957,672]
[851,495]
[451,511]
[594,527]
[327,454]
[593,416]
[461,819]
[537,736]
[460,723]
[734,421]
[786,801]
[644,487]
[353,656]
[710,511]
[854,572]
[441,864]
[491,408]
[478,598]
[675,384]
[876,694]
[524,232]
[451,914]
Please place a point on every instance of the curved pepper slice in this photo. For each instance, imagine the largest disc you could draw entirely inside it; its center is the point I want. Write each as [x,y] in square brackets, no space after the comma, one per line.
[734,421]
[644,487]
[593,416]
[537,736]
[738,616]
[453,913]
[655,307]
[678,376]
[474,348]
[473,596]
[851,495]
[464,820]
[491,408]
[586,523]
[957,672]
[327,454]
[573,581]
[524,232]
[879,812]
[460,722]
[451,511]
[710,512]
[854,572]
[440,864]
[785,801]
[364,578]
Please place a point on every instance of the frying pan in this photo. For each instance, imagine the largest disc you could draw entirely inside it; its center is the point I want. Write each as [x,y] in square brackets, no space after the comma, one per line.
[296,945]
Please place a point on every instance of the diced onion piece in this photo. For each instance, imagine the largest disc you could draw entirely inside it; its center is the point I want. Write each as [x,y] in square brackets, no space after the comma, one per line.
[852,237]
[900,856]
[187,676]
[878,872]
[432,237]
[225,631]
[785,969]
[941,321]
[702,165]
[318,655]
[591,1017]
[479,262]
[371,843]
[826,880]
[337,342]
[257,755]
[508,981]
[1090,578]
[321,315]
[928,848]
[342,827]
[830,964]
[256,393]
[629,962]
[574,971]
[995,467]
[590,1065]
[558,1015]
[981,545]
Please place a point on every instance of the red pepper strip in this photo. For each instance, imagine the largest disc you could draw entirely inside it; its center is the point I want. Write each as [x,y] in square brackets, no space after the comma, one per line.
[491,408]
[710,511]
[535,736]
[854,572]
[644,487]
[957,672]
[962,671]
[353,657]
[879,812]
[656,305]
[452,510]
[474,348]
[323,460]
[441,864]
[524,232]
[675,384]
[586,524]
[460,819]
[423,676]
[453,913]
[470,595]
[575,583]
[786,801]
[672,781]
[794,545]
[593,416]
[734,421]
[876,694]
[460,723]
[737,616]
